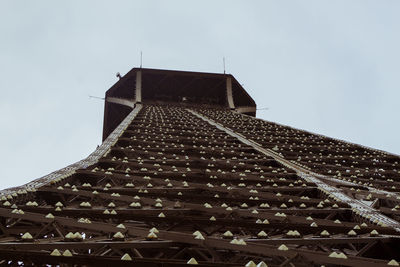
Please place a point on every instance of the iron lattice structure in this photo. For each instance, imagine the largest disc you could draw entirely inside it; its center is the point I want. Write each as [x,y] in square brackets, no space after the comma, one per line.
[187,175]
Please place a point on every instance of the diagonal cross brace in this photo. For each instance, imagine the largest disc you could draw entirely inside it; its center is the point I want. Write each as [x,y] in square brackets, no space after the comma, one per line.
[362,209]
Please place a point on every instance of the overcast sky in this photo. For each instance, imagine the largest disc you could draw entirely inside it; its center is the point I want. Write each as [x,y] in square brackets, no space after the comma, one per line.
[330,67]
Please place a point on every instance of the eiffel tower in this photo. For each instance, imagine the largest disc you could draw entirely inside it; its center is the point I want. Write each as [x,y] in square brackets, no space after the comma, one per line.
[187,175]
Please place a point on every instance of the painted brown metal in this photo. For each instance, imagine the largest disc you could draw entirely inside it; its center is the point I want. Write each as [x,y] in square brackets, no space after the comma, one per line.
[177,183]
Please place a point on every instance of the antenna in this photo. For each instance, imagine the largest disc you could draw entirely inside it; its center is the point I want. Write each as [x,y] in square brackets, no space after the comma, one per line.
[102,98]
[223,59]
[141,58]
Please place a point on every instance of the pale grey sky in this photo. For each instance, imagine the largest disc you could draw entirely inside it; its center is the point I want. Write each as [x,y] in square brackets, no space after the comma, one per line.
[330,67]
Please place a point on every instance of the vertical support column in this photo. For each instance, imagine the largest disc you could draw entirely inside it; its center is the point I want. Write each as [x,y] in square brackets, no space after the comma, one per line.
[229,93]
[138,90]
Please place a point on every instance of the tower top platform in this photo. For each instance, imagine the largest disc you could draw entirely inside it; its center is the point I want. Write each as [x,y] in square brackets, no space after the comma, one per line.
[141,85]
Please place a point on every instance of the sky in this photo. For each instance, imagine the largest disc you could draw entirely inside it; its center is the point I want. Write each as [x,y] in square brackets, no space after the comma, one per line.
[329,67]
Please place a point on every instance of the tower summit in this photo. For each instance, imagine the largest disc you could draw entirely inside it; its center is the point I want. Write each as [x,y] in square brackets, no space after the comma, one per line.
[186,174]
[168,86]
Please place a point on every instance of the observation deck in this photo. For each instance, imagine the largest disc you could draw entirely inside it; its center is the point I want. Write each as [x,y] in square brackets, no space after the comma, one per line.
[186,88]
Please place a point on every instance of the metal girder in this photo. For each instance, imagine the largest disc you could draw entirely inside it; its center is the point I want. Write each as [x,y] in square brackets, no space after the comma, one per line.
[364,210]
[203,189]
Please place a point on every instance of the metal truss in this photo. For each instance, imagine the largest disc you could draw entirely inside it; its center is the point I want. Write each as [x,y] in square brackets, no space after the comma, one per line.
[176,185]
